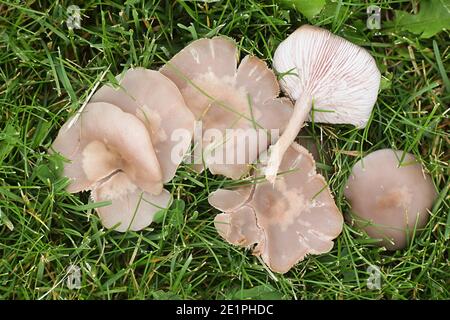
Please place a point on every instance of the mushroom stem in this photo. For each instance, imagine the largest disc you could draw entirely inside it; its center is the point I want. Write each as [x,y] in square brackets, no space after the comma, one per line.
[301,110]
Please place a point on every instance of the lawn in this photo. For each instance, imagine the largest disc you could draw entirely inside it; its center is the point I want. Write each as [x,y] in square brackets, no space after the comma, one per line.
[48,71]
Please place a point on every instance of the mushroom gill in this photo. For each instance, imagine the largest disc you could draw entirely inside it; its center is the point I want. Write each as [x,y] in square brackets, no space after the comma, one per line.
[390,197]
[285,221]
[320,69]
[225,97]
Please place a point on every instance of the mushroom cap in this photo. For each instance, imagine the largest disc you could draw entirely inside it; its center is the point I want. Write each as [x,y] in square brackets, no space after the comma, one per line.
[131,208]
[240,228]
[101,143]
[390,199]
[294,217]
[229,200]
[224,97]
[116,163]
[341,77]
[158,103]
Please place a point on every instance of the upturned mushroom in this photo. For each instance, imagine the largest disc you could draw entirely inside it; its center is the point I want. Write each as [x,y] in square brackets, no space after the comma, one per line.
[116,163]
[286,221]
[389,197]
[224,97]
[320,69]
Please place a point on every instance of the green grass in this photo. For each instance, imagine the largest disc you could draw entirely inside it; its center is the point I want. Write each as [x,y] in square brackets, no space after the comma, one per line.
[46,74]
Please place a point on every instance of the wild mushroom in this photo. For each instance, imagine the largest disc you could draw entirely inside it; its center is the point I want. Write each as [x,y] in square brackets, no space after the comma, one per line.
[158,103]
[390,197]
[286,221]
[117,163]
[223,97]
[320,69]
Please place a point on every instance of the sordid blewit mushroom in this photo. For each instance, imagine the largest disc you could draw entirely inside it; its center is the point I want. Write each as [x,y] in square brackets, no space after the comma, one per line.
[390,197]
[122,147]
[225,97]
[116,163]
[284,221]
[158,103]
[321,70]
[100,143]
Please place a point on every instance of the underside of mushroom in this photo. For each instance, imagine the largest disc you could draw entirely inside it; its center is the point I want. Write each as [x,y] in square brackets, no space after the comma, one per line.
[327,74]
[283,222]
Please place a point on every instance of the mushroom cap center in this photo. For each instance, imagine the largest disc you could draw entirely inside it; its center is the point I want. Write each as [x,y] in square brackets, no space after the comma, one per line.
[280,205]
[274,200]
[397,197]
[100,160]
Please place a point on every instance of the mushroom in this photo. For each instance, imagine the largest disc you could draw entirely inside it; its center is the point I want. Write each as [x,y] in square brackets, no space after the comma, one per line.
[223,98]
[390,197]
[285,221]
[320,69]
[120,165]
[158,103]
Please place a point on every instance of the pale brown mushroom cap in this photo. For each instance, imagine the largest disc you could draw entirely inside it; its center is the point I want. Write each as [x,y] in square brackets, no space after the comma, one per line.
[239,228]
[131,208]
[227,200]
[100,142]
[389,197]
[224,97]
[217,56]
[294,217]
[158,103]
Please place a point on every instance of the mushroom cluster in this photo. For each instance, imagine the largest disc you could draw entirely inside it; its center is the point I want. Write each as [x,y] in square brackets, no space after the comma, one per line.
[119,147]
[125,144]
[286,221]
